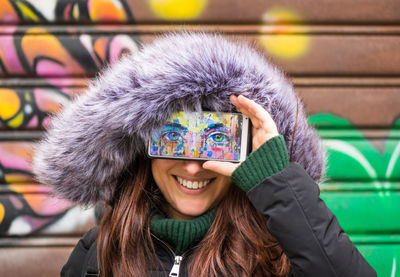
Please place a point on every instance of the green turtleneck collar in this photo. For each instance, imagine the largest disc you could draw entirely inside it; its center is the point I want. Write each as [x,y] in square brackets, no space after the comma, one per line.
[181,234]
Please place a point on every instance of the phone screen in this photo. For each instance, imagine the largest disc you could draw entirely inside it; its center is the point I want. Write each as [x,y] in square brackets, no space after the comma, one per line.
[202,135]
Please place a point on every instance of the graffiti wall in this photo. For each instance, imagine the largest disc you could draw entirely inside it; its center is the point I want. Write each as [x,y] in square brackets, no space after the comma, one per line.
[342,57]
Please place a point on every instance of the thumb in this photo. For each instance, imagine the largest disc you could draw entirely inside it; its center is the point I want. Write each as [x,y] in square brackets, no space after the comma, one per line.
[223,168]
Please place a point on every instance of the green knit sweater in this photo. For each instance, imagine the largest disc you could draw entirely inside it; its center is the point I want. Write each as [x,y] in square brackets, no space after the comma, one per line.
[268,159]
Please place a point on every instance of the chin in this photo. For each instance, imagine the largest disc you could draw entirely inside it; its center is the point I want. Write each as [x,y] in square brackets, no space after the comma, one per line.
[193,210]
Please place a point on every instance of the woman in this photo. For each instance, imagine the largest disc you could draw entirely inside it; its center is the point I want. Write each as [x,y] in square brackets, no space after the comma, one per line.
[263,217]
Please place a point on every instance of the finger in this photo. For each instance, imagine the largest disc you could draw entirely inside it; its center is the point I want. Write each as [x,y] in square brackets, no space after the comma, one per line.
[259,116]
[254,108]
[242,109]
[223,168]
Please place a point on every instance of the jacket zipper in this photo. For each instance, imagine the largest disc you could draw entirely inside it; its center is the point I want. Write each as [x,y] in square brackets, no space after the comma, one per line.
[177,259]
[175,268]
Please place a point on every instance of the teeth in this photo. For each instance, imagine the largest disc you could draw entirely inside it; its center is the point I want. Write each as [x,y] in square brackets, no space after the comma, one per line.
[192,184]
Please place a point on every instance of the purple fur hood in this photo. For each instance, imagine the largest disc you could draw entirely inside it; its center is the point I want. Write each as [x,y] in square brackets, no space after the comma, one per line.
[97,136]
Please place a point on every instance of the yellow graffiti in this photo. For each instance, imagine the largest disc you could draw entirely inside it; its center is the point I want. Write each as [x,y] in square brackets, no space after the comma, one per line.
[27,12]
[177,9]
[17,177]
[27,97]
[283,43]
[9,103]
[2,212]
[17,121]
[75,12]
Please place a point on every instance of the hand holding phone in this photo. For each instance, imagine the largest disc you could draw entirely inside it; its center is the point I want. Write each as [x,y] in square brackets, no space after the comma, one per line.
[263,129]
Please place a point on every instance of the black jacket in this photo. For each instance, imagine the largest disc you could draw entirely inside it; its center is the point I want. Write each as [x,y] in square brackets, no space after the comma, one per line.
[306,229]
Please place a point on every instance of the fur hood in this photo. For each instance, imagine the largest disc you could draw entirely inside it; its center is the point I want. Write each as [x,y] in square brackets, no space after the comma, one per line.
[97,136]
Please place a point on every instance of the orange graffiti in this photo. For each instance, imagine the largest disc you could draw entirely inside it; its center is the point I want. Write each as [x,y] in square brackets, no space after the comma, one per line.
[100,47]
[106,10]
[2,212]
[48,46]
[7,13]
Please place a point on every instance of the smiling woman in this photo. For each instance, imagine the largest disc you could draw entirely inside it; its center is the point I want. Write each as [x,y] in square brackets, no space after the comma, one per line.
[261,216]
[189,189]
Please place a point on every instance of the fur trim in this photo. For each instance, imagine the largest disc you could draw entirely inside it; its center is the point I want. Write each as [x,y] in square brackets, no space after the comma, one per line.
[98,135]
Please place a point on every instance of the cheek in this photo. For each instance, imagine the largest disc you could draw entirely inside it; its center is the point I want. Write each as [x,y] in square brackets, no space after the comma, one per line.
[223,187]
[159,169]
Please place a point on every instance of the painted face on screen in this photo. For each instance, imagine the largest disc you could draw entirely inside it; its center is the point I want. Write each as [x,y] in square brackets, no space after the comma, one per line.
[189,189]
[200,135]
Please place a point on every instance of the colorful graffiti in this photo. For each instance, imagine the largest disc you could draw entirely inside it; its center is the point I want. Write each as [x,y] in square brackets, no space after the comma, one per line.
[37,52]
[15,159]
[27,207]
[29,108]
[17,11]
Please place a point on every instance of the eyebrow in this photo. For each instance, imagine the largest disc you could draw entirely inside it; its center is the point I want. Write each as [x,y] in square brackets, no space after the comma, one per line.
[214,126]
[175,125]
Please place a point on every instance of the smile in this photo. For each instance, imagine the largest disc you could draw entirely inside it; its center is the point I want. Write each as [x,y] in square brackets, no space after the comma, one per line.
[192,184]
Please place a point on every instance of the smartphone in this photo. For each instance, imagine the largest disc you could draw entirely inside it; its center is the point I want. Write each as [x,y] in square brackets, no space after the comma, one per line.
[202,136]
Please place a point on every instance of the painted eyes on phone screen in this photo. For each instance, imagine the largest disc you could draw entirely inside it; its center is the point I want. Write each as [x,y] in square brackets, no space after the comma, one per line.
[218,138]
[172,136]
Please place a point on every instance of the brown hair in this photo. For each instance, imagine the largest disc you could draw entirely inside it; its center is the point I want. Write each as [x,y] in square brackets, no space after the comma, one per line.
[237,243]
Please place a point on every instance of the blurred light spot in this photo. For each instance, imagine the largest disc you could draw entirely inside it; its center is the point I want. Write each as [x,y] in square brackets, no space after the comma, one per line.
[280,16]
[283,42]
[285,46]
[177,9]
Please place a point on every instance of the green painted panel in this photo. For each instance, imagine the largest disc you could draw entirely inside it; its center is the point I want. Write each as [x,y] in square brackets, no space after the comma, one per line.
[369,212]
[353,134]
[375,239]
[384,258]
[360,186]
[358,157]
[324,121]
[363,159]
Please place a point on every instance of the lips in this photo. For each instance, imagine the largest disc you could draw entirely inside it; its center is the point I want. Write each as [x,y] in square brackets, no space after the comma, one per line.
[190,184]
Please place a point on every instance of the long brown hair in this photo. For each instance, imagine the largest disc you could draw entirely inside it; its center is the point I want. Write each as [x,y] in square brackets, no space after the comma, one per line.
[237,243]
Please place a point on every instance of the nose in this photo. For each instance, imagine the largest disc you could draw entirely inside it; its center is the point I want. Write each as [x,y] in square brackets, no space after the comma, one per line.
[193,167]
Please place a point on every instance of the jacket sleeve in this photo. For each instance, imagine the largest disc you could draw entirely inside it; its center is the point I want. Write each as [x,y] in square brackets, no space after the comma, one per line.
[77,261]
[306,229]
